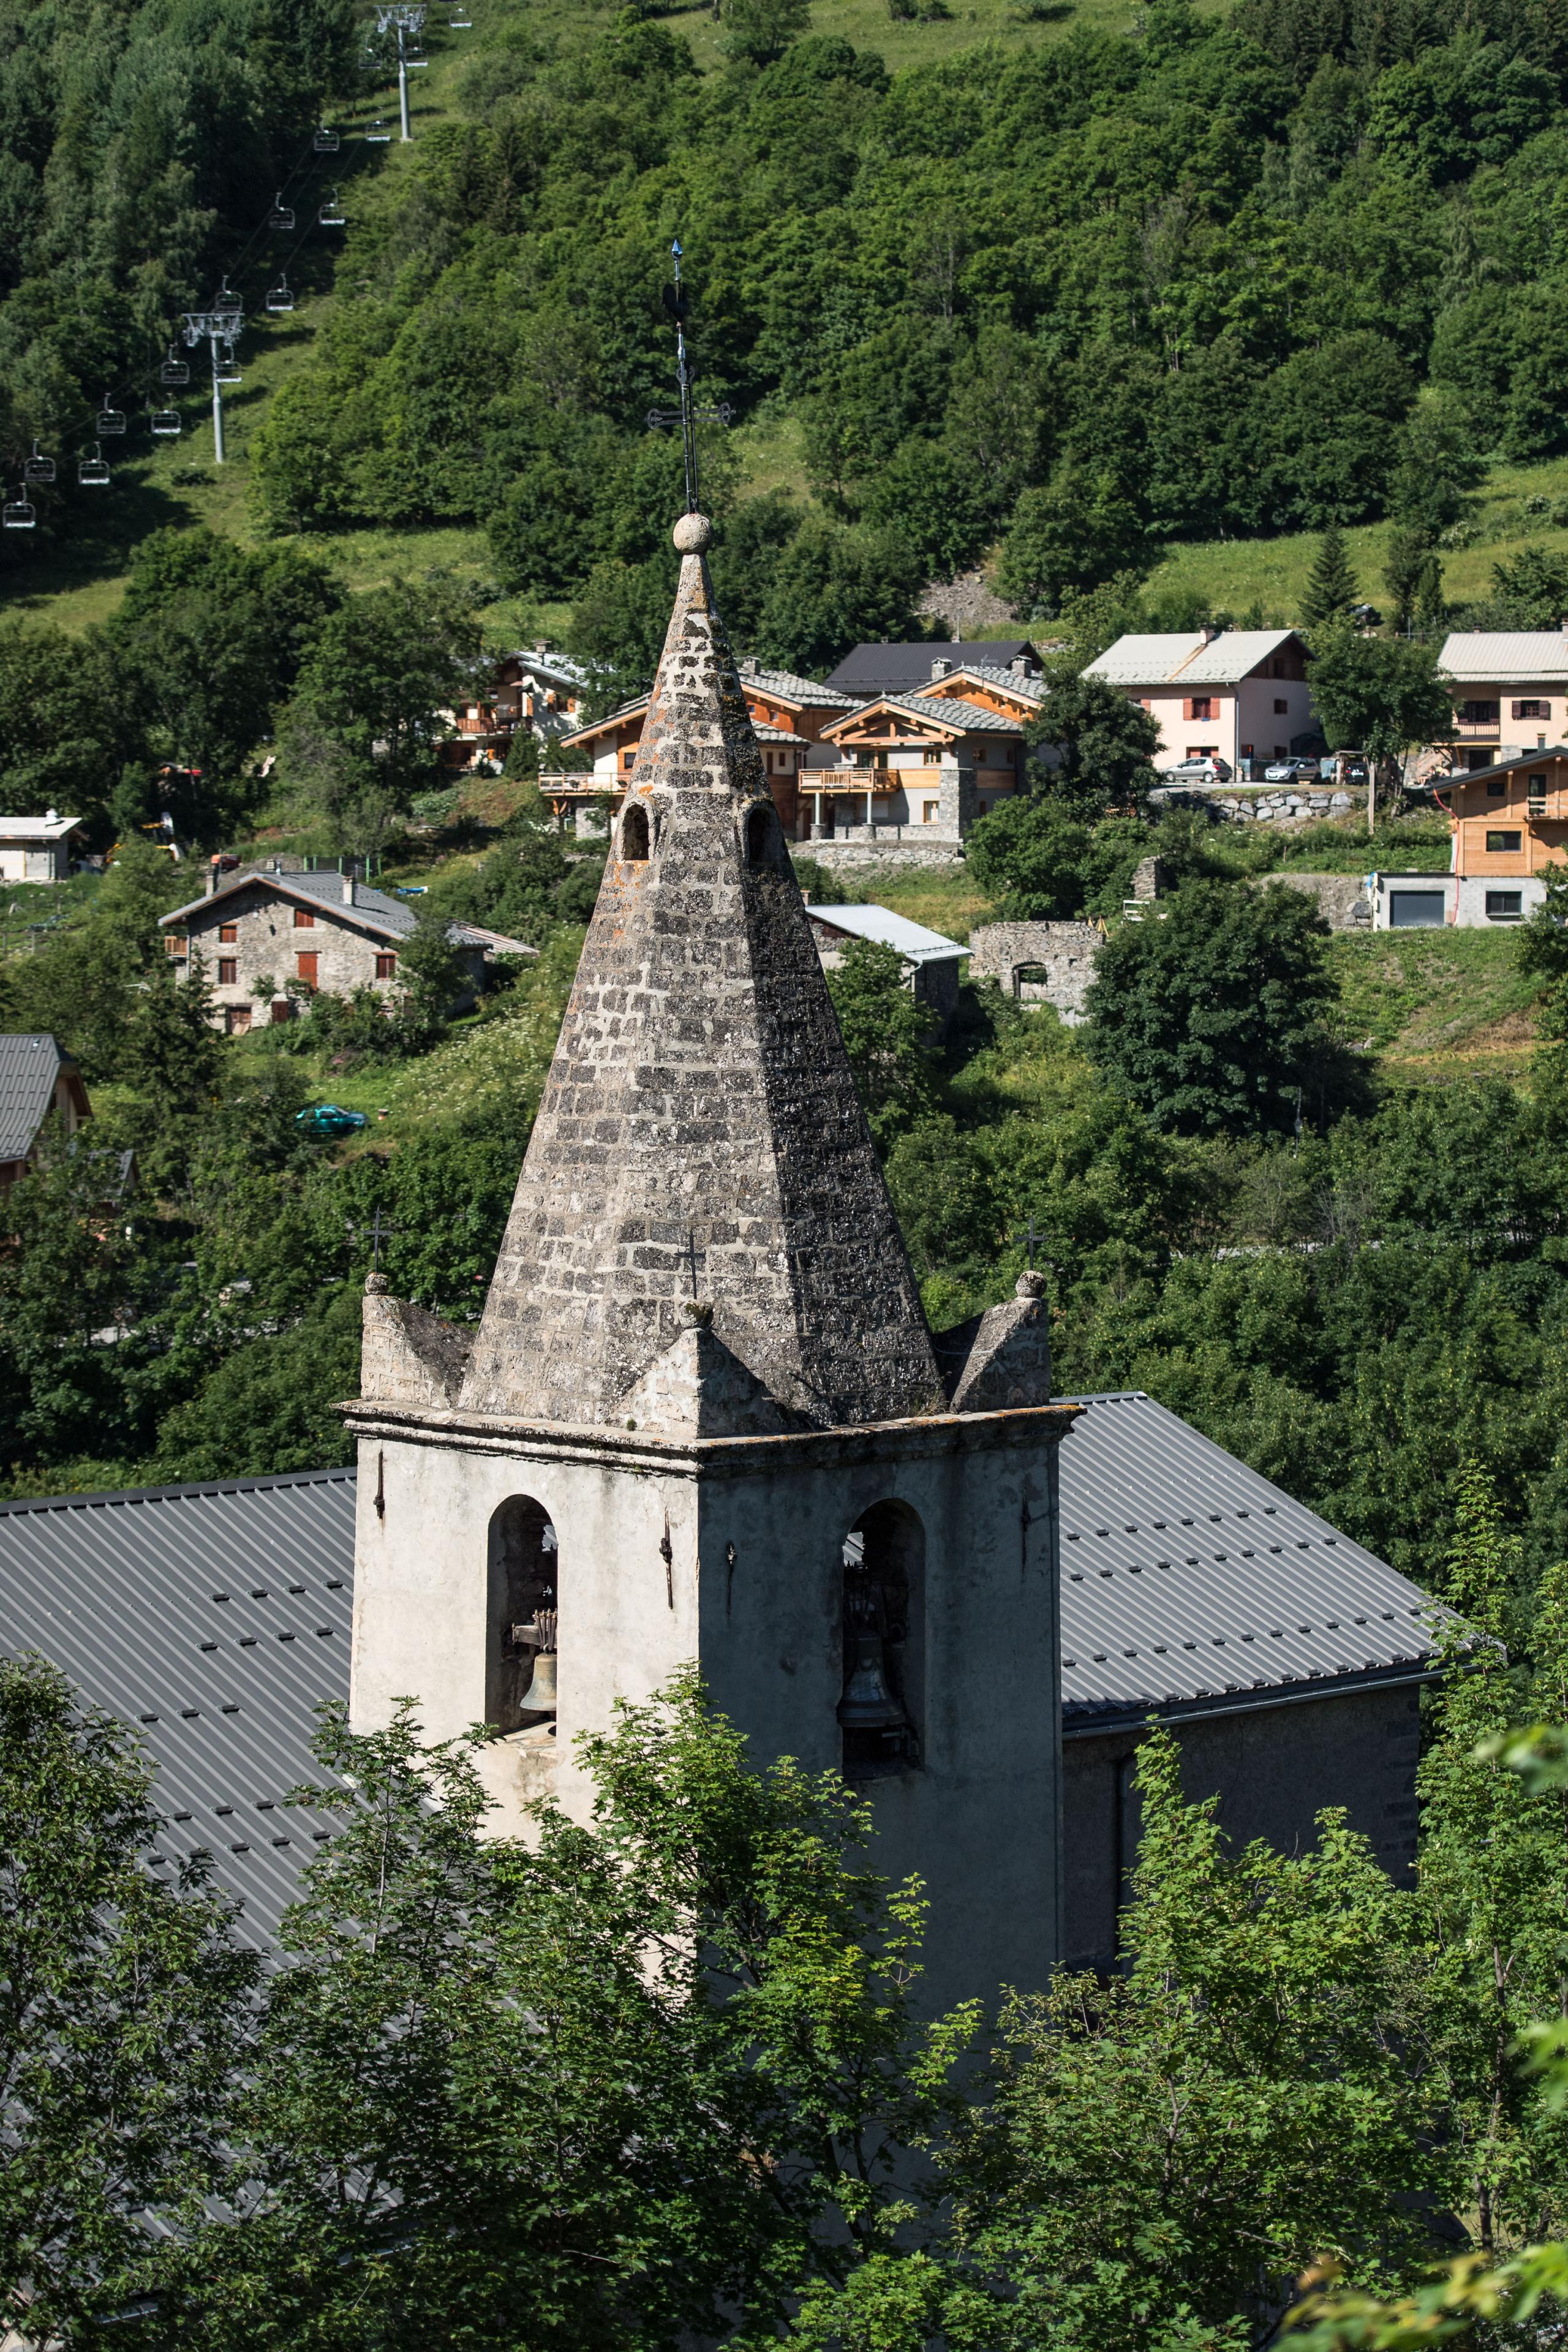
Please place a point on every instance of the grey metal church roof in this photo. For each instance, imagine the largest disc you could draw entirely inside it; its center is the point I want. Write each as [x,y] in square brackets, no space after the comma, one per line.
[214,1619]
[1189,1580]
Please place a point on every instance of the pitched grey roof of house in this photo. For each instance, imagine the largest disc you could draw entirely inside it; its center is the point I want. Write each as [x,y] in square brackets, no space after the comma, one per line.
[29,1063]
[791,688]
[370,910]
[1029,687]
[913,942]
[214,1619]
[1505,656]
[1185,654]
[1190,1582]
[898,669]
[952,710]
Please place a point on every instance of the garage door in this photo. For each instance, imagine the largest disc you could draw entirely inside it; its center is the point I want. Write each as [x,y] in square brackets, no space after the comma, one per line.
[1415,910]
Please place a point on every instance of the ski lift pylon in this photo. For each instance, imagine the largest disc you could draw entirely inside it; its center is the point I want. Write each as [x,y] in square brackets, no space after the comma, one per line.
[282,214]
[174,370]
[166,424]
[326,142]
[20,513]
[92,472]
[110,420]
[280,298]
[38,468]
[331,214]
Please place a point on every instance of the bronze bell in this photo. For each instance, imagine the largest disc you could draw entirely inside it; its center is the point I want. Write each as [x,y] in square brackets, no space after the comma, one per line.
[539,1633]
[539,1698]
[867,1703]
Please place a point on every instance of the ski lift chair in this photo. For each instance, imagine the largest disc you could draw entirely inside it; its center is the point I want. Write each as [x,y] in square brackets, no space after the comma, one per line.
[380,132]
[226,368]
[174,372]
[38,468]
[460,21]
[280,298]
[326,143]
[331,214]
[282,214]
[92,472]
[19,513]
[166,425]
[110,420]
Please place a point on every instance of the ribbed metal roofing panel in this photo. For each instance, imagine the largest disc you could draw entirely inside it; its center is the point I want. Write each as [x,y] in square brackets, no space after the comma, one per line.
[29,1064]
[955,711]
[1498,656]
[1184,654]
[912,940]
[878,669]
[214,1619]
[1186,1577]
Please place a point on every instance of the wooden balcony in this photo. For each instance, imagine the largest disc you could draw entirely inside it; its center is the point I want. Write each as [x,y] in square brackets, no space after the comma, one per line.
[878,781]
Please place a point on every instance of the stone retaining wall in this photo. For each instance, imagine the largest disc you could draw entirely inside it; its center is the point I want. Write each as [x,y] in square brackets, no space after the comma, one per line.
[1280,805]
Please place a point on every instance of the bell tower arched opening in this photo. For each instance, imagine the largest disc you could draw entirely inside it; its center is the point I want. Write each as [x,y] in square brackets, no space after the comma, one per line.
[521,1645]
[881,1711]
[633,834]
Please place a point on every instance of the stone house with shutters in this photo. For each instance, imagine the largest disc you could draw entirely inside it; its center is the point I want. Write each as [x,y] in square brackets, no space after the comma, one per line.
[1237,694]
[264,939]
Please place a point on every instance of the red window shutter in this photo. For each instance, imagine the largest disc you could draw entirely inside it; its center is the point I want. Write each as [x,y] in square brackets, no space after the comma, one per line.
[308,964]
[385,967]
[228,971]
[303,919]
[1188,711]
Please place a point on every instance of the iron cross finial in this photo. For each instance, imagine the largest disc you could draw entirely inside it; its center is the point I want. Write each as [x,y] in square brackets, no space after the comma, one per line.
[1033,1240]
[378,1232]
[685,416]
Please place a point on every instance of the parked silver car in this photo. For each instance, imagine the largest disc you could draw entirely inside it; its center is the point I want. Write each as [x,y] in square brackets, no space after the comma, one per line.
[1206,771]
[1291,771]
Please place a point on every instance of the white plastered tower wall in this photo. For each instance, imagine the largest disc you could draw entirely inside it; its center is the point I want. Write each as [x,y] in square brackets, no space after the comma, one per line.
[700,1461]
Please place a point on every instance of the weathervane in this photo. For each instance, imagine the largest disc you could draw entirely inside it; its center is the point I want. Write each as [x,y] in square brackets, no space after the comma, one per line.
[686,416]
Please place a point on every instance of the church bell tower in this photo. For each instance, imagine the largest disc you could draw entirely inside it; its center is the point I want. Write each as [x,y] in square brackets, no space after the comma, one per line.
[702,1417]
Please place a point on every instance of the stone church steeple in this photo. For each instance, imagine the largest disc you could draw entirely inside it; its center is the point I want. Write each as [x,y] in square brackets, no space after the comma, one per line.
[702,1418]
[699,1136]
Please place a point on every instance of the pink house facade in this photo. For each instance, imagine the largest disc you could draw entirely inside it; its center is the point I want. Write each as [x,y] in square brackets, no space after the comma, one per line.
[1217,694]
[1510,693]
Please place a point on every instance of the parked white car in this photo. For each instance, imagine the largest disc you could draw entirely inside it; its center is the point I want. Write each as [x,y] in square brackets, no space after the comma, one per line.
[1205,772]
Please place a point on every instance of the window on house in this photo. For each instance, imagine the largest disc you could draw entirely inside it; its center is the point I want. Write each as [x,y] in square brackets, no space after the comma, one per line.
[236,1019]
[930,812]
[1533,711]
[303,919]
[228,930]
[1497,788]
[308,967]
[1200,706]
[1504,845]
[883,1631]
[228,971]
[628,760]
[1282,708]
[932,756]
[385,967]
[1505,906]
[521,1654]
[173,944]
[1480,714]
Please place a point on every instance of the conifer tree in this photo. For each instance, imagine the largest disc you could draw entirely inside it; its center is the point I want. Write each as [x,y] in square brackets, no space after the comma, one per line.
[1331,589]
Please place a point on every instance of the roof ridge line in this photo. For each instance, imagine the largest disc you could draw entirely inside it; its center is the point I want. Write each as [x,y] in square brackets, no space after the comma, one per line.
[17,1506]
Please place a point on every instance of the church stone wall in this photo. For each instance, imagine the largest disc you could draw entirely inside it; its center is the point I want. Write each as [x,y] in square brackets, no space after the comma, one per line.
[1272,1768]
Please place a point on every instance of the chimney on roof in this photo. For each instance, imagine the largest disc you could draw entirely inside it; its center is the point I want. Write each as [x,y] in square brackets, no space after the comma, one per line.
[749,667]
[1019,665]
[348,889]
[940,667]
[1208,633]
[540,648]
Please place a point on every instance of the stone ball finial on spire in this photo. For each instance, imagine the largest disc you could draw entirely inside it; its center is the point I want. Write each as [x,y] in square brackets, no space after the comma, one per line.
[693,534]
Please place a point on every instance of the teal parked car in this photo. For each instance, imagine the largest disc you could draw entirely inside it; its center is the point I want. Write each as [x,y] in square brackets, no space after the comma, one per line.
[327,1118]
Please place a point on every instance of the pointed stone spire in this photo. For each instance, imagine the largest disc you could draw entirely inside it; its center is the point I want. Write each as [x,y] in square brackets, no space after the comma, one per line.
[700,1123]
